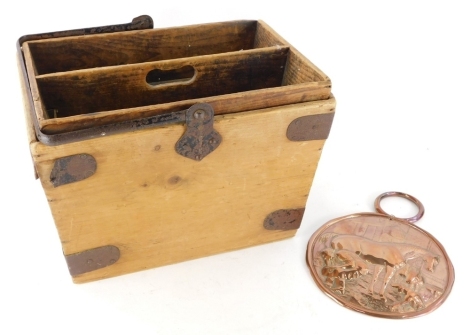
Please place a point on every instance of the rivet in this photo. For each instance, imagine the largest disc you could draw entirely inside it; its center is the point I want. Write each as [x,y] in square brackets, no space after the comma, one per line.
[89,261]
[103,133]
[211,141]
[198,157]
[199,114]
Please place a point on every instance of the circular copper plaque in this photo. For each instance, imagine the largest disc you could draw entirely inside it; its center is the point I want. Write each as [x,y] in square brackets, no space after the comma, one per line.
[381,265]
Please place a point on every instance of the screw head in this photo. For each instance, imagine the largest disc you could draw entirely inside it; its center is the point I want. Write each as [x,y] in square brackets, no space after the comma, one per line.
[199,114]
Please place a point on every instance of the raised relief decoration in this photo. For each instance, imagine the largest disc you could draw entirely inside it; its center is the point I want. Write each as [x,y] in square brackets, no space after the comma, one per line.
[380,265]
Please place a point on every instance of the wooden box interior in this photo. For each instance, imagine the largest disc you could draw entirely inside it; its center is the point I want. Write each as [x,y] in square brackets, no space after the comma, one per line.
[86,81]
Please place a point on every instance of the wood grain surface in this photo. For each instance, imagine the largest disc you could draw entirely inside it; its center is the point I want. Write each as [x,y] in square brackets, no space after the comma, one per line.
[81,52]
[158,207]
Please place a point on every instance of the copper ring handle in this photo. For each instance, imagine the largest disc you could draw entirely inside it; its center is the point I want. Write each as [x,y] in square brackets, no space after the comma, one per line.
[418,203]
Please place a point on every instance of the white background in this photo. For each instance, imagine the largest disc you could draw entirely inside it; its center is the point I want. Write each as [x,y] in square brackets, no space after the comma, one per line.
[400,73]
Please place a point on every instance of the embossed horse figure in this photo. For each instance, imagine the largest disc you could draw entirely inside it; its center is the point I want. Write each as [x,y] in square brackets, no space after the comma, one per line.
[388,256]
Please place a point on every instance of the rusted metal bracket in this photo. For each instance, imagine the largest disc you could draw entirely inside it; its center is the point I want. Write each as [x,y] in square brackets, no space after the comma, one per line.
[200,137]
[71,169]
[140,22]
[284,219]
[199,140]
[92,259]
[310,127]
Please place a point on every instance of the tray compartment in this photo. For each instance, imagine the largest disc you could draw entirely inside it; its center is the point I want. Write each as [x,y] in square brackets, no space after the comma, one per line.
[111,88]
[82,52]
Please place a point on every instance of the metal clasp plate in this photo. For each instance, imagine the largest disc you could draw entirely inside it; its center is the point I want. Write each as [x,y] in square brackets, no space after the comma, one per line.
[200,138]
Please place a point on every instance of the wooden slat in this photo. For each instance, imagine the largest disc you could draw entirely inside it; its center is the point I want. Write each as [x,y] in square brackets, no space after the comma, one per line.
[265,37]
[224,104]
[298,68]
[39,107]
[159,208]
[110,88]
[27,111]
[80,52]
[30,131]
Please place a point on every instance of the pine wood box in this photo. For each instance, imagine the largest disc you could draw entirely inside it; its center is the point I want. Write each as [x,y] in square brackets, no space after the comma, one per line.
[156,146]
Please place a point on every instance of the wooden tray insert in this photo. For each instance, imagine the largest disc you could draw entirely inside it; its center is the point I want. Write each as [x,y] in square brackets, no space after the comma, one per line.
[84,81]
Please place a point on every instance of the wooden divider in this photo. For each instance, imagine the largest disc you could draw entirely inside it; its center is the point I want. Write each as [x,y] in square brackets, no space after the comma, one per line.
[82,52]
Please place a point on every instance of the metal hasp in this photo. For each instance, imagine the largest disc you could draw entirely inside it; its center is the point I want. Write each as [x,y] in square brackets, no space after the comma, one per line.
[310,127]
[284,219]
[71,169]
[92,259]
[200,138]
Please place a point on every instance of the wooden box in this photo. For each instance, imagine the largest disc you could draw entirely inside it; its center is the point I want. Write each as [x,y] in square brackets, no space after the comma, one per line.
[156,146]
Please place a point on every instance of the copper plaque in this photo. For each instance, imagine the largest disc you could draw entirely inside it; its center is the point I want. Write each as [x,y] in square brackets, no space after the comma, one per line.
[381,265]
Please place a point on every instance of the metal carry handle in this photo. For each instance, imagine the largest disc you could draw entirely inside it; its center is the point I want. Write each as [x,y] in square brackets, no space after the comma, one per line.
[138,23]
[414,200]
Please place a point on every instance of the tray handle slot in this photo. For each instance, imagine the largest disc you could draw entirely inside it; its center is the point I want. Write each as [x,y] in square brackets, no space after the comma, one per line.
[178,76]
